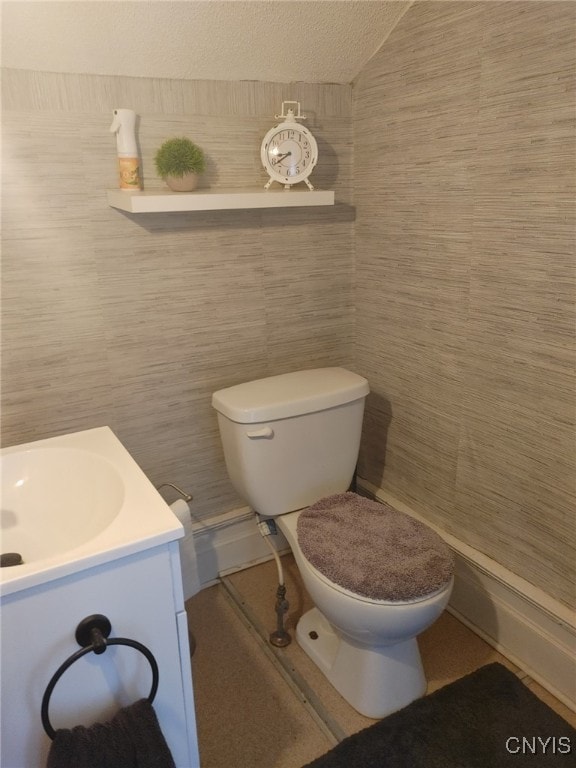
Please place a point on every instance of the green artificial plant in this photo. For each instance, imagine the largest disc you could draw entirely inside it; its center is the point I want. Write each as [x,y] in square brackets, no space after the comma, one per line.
[178,157]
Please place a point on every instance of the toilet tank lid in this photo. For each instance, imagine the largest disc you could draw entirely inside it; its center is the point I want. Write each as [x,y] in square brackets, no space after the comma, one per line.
[290,394]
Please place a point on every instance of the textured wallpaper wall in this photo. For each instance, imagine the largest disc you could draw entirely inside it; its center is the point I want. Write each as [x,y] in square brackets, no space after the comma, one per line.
[464,136]
[464,249]
[134,320]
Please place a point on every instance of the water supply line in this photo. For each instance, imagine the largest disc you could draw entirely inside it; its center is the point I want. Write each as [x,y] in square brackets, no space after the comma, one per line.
[280,637]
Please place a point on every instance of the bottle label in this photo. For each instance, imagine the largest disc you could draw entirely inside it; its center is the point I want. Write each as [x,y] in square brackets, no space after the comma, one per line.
[129,173]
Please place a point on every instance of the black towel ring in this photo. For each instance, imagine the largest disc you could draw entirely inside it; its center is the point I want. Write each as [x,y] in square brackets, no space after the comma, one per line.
[92,634]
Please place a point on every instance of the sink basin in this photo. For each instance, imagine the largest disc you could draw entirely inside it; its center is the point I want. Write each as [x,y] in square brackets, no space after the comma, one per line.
[75,502]
[54,499]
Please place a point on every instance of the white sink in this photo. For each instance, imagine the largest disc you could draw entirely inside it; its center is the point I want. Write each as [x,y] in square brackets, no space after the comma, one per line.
[54,499]
[75,501]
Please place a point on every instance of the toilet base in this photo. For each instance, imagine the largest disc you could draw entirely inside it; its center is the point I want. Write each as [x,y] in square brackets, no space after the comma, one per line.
[375,681]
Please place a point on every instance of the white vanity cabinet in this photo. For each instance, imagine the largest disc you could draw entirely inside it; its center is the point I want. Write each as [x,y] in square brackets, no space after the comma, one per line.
[141,595]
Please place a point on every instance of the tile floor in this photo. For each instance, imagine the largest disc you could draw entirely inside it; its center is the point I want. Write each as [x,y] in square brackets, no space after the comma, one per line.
[262,707]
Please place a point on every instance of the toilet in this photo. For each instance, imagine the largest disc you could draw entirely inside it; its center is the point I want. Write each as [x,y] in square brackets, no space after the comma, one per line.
[377,577]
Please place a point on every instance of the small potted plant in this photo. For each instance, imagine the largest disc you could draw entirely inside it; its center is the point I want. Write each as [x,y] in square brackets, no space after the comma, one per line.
[179,162]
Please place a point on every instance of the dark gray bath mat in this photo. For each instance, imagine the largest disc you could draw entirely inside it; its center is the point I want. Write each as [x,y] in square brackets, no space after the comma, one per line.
[488,719]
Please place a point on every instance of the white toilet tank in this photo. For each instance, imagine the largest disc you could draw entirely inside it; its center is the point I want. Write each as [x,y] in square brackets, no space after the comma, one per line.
[291,439]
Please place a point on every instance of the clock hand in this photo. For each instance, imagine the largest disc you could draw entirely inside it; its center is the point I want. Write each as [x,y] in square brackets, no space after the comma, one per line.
[281,157]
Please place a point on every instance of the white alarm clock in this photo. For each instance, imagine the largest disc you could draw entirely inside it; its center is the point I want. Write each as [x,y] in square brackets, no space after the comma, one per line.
[289,151]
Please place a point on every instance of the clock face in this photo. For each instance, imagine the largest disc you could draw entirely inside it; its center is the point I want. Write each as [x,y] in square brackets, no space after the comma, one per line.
[289,153]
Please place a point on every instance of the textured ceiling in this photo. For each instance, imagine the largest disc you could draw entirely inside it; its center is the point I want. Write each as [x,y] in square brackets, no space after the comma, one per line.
[315,41]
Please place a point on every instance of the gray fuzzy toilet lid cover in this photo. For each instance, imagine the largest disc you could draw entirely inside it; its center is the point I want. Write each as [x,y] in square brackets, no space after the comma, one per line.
[372,549]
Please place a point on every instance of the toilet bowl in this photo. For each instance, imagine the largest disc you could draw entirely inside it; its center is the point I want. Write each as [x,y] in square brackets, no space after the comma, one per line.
[366,648]
[291,444]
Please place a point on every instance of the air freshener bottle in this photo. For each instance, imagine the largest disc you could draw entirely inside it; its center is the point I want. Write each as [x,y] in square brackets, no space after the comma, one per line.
[124,126]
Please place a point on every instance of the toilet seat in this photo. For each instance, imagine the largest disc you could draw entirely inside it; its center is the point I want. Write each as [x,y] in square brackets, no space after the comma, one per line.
[371,600]
[372,551]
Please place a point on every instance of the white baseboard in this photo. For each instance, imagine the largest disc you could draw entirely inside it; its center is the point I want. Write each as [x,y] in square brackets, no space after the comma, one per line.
[523,623]
[535,632]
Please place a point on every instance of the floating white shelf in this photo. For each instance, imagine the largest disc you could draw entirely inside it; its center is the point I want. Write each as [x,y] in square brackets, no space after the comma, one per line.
[164,201]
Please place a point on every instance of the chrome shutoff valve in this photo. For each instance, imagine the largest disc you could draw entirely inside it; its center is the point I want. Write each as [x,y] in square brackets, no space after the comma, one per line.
[280,638]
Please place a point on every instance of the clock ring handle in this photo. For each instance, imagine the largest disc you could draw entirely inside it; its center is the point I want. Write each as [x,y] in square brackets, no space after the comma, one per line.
[297,116]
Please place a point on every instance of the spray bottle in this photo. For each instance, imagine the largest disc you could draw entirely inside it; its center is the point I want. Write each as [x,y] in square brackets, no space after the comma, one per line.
[124,126]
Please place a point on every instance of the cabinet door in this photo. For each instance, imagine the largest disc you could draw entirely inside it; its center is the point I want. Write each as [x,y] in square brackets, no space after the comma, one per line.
[136,593]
